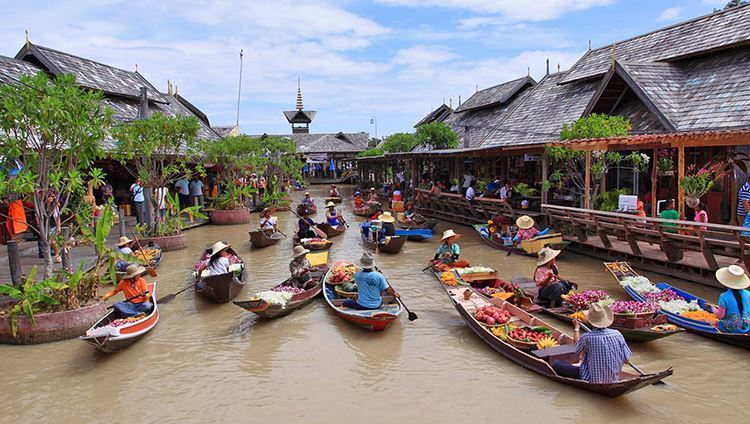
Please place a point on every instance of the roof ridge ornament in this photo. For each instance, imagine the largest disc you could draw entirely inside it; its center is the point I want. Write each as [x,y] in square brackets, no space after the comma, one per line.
[614,54]
[28,42]
[299,94]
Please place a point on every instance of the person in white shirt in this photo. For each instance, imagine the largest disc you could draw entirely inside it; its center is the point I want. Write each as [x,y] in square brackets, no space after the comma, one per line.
[218,264]
[468,179]
[505,190]
[470,193]
[137,189]
[160,197]
[267,222]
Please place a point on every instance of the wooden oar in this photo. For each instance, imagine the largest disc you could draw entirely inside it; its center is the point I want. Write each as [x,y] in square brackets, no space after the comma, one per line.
[633,366]
[320,233]
[412,315]
[281,232]
[129,299]
[151,271]
[170,297]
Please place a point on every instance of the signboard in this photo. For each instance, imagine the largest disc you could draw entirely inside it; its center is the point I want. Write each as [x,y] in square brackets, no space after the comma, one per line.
[627,203]
[532,158]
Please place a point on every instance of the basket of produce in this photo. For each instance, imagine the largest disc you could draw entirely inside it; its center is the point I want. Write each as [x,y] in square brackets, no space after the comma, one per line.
[496,293]
[478,273]
[527,338]
[342,274]
[348,290]
[492,316]
[448,278]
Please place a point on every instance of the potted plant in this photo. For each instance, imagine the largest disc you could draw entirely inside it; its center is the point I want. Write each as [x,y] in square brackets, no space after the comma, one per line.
[696,183]
[280,163]
[665,162]
[525,192]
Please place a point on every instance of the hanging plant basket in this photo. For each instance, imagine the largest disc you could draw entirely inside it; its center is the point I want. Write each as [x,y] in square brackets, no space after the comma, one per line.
[666,173]
[692,201]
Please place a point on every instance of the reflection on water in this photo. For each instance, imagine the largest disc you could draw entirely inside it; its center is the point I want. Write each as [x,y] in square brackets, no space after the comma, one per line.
[208,362]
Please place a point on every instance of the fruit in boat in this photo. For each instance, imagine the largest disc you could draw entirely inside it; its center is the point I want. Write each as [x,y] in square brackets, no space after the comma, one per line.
[701,315]
[492,315]
[546,341]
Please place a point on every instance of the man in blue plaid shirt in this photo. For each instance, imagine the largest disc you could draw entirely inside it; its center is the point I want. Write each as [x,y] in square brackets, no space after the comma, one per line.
[602,351]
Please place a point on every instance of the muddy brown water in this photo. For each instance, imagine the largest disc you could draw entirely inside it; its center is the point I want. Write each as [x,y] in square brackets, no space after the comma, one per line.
[216,363]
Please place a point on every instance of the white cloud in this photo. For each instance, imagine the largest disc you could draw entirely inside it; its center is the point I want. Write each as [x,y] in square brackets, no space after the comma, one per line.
[516,10]
[671,14]
[423,56]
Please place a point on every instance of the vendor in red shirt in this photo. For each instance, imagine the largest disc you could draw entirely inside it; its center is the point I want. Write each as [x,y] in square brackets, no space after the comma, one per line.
[137,298]
[551,286]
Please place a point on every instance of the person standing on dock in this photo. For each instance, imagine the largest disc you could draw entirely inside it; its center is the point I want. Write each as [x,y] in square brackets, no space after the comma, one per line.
[183,192]
[551,286]
[733,309]
[743,202]
[448,252]
[602,351]
[137,192]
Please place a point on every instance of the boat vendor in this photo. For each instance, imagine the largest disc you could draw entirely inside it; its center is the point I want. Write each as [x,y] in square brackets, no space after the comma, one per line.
[373,196]
[218,263]
[409,213]
[334,191]
[733,308]
[300,267]
[123,248]
[332,216]
[359,203]
[448,251]
[602,351]
[376,215]
[267,222]
[551,286]
[370,286]
[133,286]
[306,227]
[388,230]
[307,200]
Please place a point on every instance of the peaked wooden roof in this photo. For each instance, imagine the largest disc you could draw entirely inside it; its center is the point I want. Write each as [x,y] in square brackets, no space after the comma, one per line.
[300,116]
[495,95]
[12,69]
[437,115]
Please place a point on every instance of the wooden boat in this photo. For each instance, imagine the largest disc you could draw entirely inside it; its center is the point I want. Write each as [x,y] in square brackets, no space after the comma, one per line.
[107,336]
[539,360]
[368,209]
[390,245]
[526,247]
[334,199]
[701,328]
[419,223]
[225,287]
[270,311]
[416,234]
[639,335]
[263,238]
[374,319]
[324,245]
[330,230]
[153,263]
[303,209]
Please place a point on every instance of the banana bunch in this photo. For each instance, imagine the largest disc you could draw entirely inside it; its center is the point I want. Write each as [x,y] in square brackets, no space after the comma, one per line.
[546,341]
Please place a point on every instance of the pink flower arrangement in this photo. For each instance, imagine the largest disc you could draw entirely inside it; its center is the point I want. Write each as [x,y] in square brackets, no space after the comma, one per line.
[582,300]
[662,296]
[631,307]
[287,289]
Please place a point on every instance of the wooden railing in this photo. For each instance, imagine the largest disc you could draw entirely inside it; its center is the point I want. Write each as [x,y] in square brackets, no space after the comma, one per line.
[673,237]
[455,208]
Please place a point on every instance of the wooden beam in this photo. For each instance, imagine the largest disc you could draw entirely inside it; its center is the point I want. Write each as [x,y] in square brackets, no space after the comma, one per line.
[619,99]
[654,176]
[587,190]
[544,178]
[680,174]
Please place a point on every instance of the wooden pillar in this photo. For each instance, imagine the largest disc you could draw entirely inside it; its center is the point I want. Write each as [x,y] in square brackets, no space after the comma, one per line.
[587,189]
[544,178]
[654,176]
[680,174]
[65,250]
[14,261]
[121,221]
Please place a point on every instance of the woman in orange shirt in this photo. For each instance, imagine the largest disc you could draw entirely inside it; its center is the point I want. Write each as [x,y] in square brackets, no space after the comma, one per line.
[133,286]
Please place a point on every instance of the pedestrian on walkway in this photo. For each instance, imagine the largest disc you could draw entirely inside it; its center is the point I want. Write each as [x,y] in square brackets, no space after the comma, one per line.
[136,190]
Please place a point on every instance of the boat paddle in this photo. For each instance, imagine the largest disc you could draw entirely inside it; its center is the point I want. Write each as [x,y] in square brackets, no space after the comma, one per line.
[281,232]
[151,271]
[320,233]
[633,366]
[129,299]
[170,297]
[412,315]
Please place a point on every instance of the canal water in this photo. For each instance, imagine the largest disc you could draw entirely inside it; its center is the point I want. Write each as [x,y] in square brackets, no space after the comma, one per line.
[216,363]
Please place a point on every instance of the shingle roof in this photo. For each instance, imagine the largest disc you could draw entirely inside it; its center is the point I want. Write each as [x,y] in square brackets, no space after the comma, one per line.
[495,95]
[197,112]
[299,116]
[91,74]
[539,116]
[328,143]
[707,33]
[437,115]
[12,69]
[225,131]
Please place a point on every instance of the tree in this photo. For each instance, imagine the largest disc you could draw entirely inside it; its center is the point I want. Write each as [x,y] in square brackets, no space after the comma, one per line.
[51,131]
[233,157]
[596,125]
[400,142]
[731,4]
[280,161]
[375,151]
[437,135]
[159,148]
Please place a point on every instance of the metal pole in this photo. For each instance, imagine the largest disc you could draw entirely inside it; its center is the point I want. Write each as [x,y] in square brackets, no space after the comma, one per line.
[239,90]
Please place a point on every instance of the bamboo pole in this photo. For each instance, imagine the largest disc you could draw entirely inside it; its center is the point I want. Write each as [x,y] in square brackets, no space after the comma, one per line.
[654,176]
[680,174]
[14,261]
[587,182]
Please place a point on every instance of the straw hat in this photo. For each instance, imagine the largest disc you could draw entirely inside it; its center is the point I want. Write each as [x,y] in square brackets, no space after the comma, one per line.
[218,247]
[449,233]
[386,217]
[133,270]
[264,211]
[733,277]
[330,205]
[600,316]
[546,255]
[525,222]
[372,188]
[367,260]
[333,185]
[299,251]
[307,193]
[122,241]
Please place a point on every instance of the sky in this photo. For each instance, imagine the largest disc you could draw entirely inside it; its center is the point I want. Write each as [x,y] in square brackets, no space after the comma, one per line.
[387,61]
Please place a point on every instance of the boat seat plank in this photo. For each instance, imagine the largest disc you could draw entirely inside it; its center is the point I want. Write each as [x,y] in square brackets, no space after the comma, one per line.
[563,352]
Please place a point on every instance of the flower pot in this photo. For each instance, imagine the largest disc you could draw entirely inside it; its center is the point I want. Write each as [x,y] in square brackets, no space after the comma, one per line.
[692,201]
[230,217]
[168,243]
[52,326]
[666,173]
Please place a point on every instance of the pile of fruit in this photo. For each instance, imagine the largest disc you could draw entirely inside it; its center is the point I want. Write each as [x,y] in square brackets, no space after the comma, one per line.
[581,301]
[448,278]
[579,315]
[123,321]
[495,292]
[532,335]
[147,254]
[701,316]
[492,315]
[342,273]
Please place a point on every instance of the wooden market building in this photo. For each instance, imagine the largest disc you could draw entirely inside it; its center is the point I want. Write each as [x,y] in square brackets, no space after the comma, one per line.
[685,89]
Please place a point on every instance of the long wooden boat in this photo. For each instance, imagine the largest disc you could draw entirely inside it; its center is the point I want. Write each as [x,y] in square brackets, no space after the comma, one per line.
[622,270]
[152,263]
[489,241]
[263,238]
[303,209]
[268,310]
[527,247]
[368,209]
[419,223]
[374,319]
[638,335]
[540,361]
[314,246]
[391,245]
[330,230]
[334,199]
[112,333]
[225,287]
[415,234]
